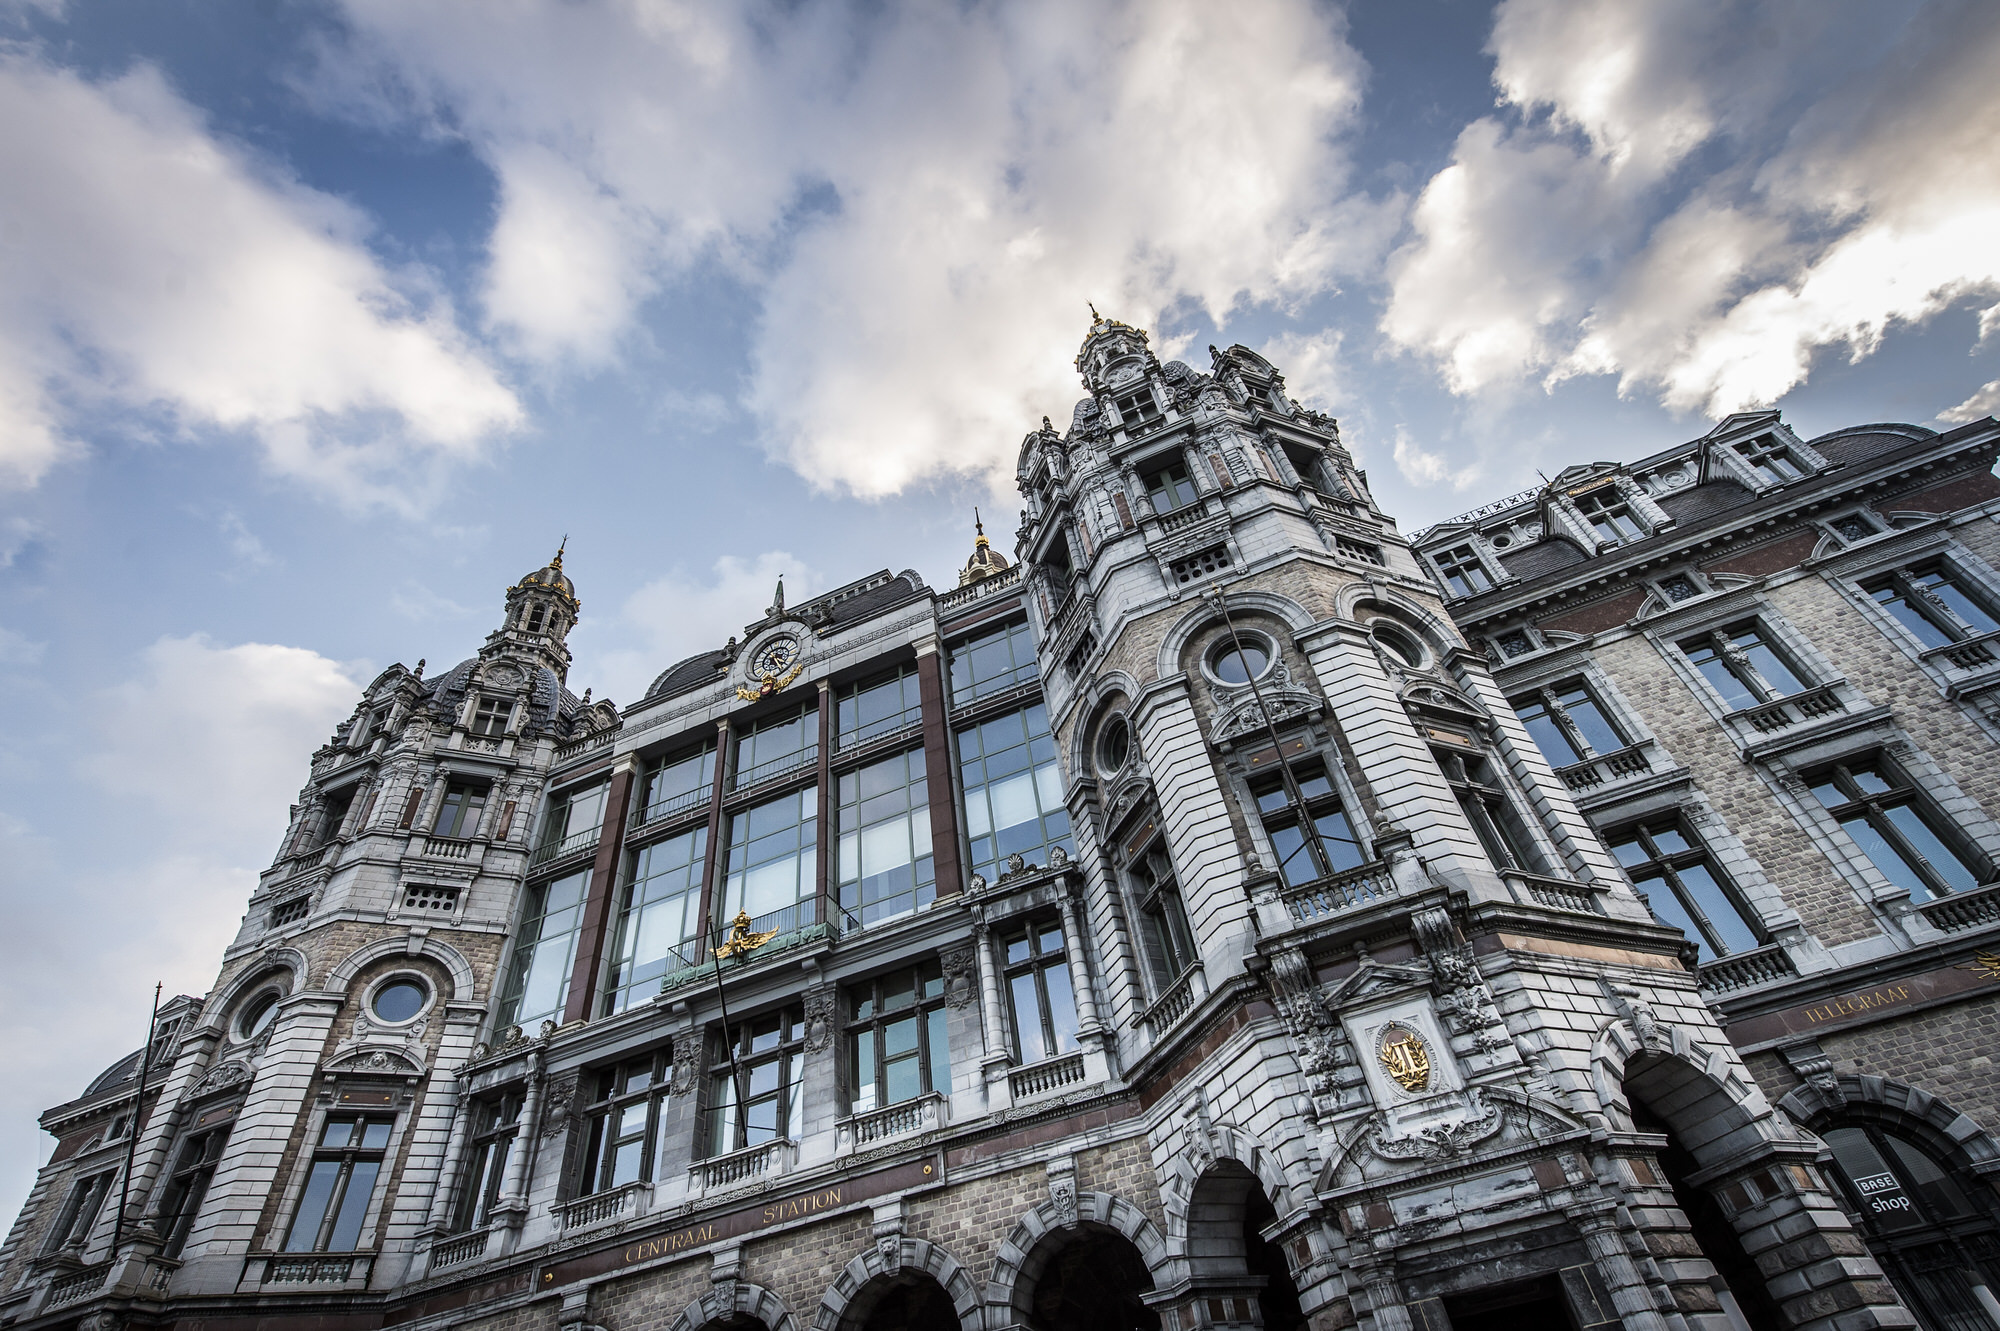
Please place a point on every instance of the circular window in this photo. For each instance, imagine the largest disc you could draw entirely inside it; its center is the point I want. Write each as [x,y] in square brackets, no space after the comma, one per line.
[1240,659]
[1114,745]
[1399,644]
[257,1018]
[1502,541]
[401,999]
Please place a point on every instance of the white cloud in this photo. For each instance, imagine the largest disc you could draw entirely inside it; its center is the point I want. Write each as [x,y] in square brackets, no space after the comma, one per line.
[1421,467]
[18,650]
[145,265]
[678,614]
[923,196]
[1699,197]
[1984,402]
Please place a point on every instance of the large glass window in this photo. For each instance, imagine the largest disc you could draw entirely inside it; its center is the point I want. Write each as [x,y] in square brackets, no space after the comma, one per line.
[491,715]
[187,1186]
[538,979]
[1671,866]
[1491,811]
[344,1169]
[992,661]
[1164,934]
[1462,571]
[1568,724]
[79,1213]
[869,711]
[1039,989]
[1937,1237]
[1895,827]
[884,819]
[1013,790]
[771,852]
[896,1045]
[657,916]
[495,1124]
[778,745]
[1171,488]
[1935,604]
[1741,665]
[459,810]
[768,1051]
[1298,858]
[1609,515]
[574,819]
[624,1118]
[676,785]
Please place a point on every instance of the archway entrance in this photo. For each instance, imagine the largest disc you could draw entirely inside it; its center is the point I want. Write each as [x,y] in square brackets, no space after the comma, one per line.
[1532,1305]
[1279,1299]
[1093,1280]
[910,1302]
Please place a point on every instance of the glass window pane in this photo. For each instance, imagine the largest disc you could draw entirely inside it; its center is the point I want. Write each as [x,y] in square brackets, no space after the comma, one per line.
[1928,844]
[937,1051]
[1710,898]
[1910,617]
[1667,909]
[353,1206]
[1342,848]
[1589,718]
[1062,1006]
[1669,840]
[1768,663]
[1886,857]
[1883,1198]
[1630,851]
[1933,1185]
[1735,693]
[1968,610]
[1549,737]
[312,1205]
[375,1134]
[1028,1019]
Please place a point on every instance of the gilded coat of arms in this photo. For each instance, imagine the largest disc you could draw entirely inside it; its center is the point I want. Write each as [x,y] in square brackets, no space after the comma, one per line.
[1404,1055]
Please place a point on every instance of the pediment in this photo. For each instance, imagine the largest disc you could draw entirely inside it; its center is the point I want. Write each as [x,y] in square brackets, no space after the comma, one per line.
[1378,979]
[380,1061]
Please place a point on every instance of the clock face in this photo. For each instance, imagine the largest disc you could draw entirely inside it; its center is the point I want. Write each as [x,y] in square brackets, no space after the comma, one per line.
[775,657]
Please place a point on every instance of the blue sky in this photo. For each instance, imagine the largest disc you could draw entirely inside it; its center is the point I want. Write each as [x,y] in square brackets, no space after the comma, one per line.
[323,320]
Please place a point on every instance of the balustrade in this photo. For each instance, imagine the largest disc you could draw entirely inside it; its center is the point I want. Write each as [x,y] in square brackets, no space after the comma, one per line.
[1338,892]
[1050,1075]
[1964,910]
[1741,970]
[460,1250]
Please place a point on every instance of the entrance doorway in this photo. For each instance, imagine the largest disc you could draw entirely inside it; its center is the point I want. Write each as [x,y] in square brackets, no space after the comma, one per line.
[915,1303]
[1532,1305]
[1093,1282]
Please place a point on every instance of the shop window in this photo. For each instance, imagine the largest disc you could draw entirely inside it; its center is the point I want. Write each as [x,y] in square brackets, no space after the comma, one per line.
[754,1097]
[496,1123]
[1669,864]
[624,1122]
[345,1165]
[1044,1005]
[896,1043]
[1896,827]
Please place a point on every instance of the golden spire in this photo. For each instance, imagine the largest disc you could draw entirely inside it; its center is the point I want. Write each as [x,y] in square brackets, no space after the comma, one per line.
[979,527]
[556,563]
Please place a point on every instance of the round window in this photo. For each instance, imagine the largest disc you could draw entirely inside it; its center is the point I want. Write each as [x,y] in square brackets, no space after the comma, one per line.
[400,999]
[1240,659]
[1114,745]
[258,1016]
[1399,644]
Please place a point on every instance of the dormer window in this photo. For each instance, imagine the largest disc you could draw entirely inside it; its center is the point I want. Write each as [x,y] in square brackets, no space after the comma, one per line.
[1462,571]
[1137,408]
[1171,488]
[492,715]
[1610,516]
[1770,459]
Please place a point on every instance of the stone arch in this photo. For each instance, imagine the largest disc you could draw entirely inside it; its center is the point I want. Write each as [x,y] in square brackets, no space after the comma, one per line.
[848,1300]
[1224,1144]
[1024,1255]
[288,962]
[1683,1080]
[1952,1134]
[444,954]
[1441,632]
[1090,709]
[735,1298]
[1203,613]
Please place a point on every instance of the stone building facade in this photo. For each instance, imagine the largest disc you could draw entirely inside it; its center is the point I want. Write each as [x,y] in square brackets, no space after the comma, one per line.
[1173,926]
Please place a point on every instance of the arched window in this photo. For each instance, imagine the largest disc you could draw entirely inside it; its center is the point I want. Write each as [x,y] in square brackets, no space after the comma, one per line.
[1932,1225]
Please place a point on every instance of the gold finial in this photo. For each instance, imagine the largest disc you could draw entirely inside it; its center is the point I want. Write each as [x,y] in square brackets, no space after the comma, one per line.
[1095,317]
[556,563]
[979,527]
[742,940]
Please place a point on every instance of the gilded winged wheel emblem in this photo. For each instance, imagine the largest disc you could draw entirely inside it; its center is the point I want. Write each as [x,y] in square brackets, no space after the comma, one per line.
[742,940]
[769,684]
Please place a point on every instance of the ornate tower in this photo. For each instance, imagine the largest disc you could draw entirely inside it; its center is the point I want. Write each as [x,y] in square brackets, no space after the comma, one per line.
[1469,1068]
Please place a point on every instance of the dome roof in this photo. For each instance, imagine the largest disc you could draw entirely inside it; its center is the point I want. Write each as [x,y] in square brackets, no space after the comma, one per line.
[985,561]
[550,575]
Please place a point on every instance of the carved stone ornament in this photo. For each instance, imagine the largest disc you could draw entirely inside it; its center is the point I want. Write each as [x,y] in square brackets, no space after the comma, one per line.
[1443,1141]
[1652,1035]
[502,675]
[385,1061]
[1062,1192]
[223,1076]
[688,1059]
[889,1247]
[978,883]
[1403,1053]
[561,1092]
[819,1018]
[960,982]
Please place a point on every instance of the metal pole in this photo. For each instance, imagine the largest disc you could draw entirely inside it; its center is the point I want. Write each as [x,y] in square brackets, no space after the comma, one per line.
[729,1040]
[1292,793]
[132,1129]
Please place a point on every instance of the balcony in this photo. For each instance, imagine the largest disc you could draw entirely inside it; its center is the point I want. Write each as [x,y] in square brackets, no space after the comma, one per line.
[448,848]
[752,1164]
[1183,518]
[576,748]
[1337,892]
[1968,654]
[1745,970]
[1964,910]
[316,1269]
[1046,1077]
[76,1286]
[1555,893]
[550,851]
[459,1250]
[669,808]
[1171,1006]
[906,1118]
[1008,579]
[601,1208]
[1771,717]
[804,760]
[1605,768]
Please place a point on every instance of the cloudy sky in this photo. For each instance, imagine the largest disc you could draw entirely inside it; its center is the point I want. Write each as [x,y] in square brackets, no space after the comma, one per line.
[323,320]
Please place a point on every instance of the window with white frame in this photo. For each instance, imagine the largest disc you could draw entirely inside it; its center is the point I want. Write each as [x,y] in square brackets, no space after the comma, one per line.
[1743,665]
[1899,829]
[345,1165]
[1770,459]
[1668,863]
[1610,515]
[1462,570]
[1937,604]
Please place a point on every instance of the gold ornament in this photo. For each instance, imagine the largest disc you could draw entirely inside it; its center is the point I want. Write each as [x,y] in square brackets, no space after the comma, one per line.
[1403,1053]
[769,684]
[742,940]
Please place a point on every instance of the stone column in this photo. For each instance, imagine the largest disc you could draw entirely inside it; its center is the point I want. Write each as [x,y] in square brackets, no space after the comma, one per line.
[512,1208]
[439,1219]
[1597,1221]
[1079,967]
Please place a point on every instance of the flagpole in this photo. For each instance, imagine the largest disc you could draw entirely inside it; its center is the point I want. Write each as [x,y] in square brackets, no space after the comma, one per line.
[132,1129]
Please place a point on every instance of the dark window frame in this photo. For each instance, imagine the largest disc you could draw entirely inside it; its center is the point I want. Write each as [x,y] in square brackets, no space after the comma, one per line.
[1323,802]
[725,1111]
[360,1150]
[1874,809]
[608,1120]
[187,1187]
[496,1126]
[1170,485]
[1914,586]
[871,1016]
[1724,647]
[1757,454]
[79,1213]
[1463,571]
[1166,938]
[1670,865]
[1554,702]
[491,715]
[1031,933]
[462,808]
[1490,807]
[1608,511]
